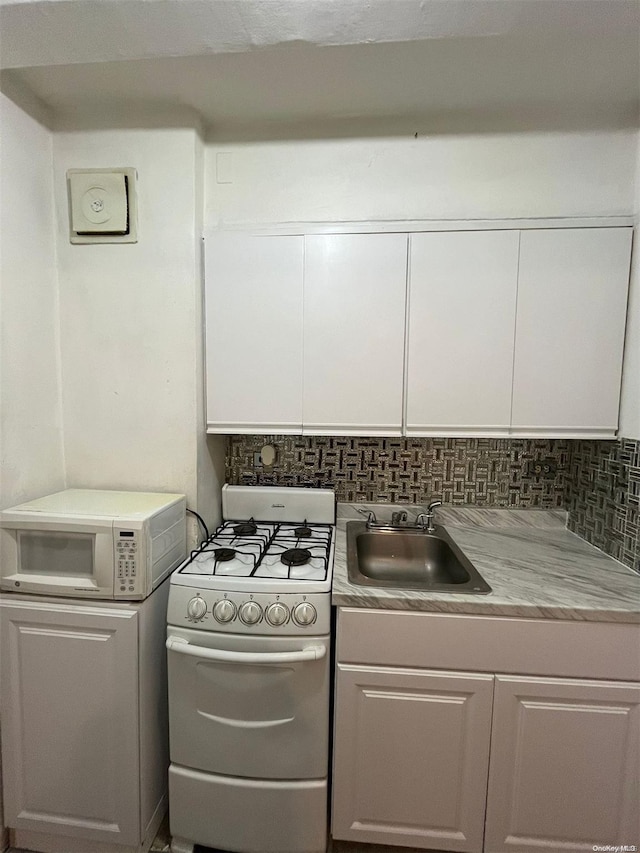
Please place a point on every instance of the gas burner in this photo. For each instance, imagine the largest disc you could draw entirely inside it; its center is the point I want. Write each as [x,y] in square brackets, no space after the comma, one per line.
[303,532]
[247,528]
[295,557]
[223,555]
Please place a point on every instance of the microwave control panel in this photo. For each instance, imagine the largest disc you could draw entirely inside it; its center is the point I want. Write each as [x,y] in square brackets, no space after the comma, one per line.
[127,560]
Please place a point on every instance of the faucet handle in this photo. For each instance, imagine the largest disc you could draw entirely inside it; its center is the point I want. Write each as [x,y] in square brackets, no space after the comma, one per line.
[371,516]
[433,505]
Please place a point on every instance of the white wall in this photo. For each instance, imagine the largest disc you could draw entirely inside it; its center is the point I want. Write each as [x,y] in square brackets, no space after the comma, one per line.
[211,449]
[439,177]
[128,319]
[630,403]
[118,349]
[30,409]
[31,460]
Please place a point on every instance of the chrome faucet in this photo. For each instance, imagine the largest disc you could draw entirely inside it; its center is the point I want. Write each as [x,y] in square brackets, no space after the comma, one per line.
[397,518]
[426,518]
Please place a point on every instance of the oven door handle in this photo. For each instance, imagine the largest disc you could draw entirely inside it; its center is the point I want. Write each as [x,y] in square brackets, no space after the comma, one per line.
[184,647]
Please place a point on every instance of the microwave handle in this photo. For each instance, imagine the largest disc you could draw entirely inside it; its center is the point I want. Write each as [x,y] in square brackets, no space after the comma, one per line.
[177,644]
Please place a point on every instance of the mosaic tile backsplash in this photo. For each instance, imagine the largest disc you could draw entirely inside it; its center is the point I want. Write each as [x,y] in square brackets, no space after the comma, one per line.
[603,496]
[483,471]
[598,482]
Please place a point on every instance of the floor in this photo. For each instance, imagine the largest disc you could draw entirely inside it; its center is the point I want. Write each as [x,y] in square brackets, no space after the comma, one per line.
[334,847]
[162,844]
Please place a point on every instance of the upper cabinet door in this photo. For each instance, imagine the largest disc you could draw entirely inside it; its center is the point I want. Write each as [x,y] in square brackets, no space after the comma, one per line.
[354,320]
[462,304]
[572,294]
[254,333]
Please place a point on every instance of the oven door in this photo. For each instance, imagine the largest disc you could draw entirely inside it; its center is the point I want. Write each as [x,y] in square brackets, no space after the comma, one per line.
[252,707]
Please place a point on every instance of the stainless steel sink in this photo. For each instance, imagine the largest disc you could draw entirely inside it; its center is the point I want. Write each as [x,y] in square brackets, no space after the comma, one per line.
[409,559]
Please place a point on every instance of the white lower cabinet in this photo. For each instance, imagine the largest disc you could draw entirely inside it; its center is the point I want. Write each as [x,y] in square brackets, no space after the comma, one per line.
[564,765]
[429,757]
[411,757]
[84,740]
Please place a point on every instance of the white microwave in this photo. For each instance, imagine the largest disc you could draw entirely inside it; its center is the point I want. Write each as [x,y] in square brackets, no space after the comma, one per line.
[86,543]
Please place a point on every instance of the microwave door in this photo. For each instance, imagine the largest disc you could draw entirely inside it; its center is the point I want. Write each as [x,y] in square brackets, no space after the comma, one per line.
[55,557]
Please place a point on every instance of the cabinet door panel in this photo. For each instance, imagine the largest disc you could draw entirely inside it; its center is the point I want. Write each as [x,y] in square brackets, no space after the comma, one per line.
[70,722]
[254,332]
[564,765]
[411,756]
[572,295]
[354,318]
[462,305]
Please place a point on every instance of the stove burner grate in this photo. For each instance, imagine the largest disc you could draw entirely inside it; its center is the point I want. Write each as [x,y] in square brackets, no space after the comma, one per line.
[223,555]
[247,528]
[271,543]
[295,557]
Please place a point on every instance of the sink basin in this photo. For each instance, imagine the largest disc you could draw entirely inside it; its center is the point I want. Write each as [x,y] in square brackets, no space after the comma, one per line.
[409,559]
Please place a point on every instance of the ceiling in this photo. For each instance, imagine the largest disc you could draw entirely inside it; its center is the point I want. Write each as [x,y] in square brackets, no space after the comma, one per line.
[250,67]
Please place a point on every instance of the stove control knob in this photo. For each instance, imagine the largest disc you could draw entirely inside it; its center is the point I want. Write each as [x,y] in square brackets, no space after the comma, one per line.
[277,614]
[250,612]
[224,610]
[304,614]
[196,608]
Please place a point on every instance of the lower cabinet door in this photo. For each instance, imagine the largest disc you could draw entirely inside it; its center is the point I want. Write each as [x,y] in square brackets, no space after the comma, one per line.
[564,766]
[411,755]
[69,706]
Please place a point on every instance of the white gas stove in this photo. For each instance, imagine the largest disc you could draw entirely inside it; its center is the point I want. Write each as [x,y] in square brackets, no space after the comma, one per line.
[249,645]
[266,570]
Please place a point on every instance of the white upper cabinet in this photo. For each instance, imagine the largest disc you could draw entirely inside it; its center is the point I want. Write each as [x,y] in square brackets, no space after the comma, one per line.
[572,295]
[354,322]
[254,333]
[462,306]
[500,332]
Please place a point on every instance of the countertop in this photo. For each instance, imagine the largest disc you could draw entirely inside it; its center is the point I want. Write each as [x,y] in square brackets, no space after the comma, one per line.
[534,565]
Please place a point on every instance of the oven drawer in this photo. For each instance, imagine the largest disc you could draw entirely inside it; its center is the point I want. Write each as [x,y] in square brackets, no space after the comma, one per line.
[253,707]
[253,815]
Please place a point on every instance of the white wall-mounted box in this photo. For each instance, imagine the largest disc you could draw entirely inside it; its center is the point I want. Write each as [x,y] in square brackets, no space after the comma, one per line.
[102,205]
